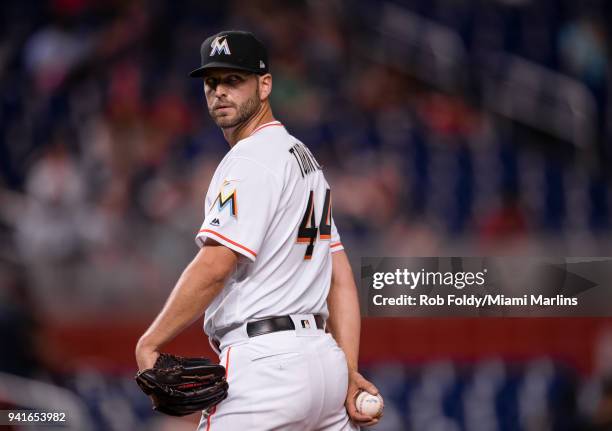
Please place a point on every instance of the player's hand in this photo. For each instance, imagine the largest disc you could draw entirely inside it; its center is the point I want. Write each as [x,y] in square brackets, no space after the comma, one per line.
[356,384]
[145,356]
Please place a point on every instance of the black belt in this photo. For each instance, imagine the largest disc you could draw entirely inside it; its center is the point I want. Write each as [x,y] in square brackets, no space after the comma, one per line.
[283,323]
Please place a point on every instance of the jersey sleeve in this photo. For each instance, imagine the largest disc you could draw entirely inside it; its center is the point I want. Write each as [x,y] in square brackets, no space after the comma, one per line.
[335,243]
[242,208]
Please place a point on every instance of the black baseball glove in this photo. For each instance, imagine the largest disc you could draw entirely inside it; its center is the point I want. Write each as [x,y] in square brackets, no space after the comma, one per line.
[180,386]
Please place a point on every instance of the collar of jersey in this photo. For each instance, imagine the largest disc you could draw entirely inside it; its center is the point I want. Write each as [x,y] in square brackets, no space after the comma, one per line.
[263,126]
[259,128]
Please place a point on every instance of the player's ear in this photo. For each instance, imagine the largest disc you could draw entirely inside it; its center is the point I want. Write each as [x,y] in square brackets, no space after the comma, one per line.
[265,86]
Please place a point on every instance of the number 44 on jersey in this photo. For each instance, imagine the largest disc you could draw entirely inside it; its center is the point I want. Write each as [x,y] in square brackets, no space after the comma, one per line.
[307,233]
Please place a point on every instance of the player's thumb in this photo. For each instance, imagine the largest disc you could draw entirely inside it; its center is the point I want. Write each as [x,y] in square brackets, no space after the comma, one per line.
[366,385]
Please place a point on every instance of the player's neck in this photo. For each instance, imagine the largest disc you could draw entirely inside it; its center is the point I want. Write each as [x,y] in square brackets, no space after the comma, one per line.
[235,134]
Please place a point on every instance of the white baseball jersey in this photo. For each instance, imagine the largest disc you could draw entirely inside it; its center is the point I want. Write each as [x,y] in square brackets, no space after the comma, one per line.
[269,201]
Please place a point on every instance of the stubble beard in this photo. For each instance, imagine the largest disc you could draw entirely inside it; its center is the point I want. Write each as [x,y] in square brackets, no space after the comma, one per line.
[244,113]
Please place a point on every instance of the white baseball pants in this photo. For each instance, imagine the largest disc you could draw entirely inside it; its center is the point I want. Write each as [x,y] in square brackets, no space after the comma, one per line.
[287,380]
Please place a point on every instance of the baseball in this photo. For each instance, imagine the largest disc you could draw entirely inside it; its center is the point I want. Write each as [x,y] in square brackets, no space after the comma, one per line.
[371,405]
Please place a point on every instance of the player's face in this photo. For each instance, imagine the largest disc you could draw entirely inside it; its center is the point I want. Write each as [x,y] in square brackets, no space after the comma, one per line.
[232,96]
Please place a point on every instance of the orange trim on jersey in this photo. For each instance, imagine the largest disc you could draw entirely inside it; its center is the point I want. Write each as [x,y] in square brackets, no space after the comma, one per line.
[214,410]
[336,244]
[248,250]
[325,236]
[229,349]
[263,126]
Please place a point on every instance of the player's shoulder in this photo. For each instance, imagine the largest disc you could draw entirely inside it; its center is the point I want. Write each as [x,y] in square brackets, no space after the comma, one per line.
[268,146]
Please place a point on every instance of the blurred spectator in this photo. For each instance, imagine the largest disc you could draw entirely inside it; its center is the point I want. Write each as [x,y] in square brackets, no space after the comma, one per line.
[583,48]
[52,52]
[49,228]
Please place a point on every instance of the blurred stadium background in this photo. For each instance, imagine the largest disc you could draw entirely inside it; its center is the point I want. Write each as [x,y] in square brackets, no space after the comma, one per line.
[447,127]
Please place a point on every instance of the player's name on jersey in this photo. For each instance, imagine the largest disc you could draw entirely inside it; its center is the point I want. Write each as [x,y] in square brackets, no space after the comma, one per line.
[476,301]
[305,160]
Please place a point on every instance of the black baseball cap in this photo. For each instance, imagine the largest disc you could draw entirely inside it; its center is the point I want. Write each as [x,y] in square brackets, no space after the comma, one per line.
[234,50]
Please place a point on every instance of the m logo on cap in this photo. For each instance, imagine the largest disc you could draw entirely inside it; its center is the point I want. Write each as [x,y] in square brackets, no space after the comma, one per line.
[219,46]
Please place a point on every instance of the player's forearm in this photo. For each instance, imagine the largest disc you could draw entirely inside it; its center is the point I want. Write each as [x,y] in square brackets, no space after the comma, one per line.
[199,284]
[343,303]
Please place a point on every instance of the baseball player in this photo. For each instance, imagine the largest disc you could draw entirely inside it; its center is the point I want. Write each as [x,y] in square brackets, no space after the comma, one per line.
[281,306]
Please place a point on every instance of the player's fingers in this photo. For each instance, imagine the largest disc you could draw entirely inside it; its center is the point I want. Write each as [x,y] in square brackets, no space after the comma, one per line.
[357,416]
[351,408]
[360,418]
[367,423]
[354,414]
[352,393]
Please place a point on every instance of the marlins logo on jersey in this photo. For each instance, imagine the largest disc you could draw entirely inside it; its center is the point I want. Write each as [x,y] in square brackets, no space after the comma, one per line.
[219,46]
[226,199]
